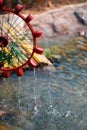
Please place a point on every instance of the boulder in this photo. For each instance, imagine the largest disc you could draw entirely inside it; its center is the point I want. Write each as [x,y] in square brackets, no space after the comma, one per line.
[81,15]
[62,20]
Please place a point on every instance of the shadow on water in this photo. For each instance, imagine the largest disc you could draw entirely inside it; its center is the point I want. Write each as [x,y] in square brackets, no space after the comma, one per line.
[43,100]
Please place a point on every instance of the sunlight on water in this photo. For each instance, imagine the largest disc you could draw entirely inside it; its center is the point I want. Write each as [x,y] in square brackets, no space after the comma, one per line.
[4,79]
[19,92]
[49,91]
[44,100]
[51,109]
[34,90]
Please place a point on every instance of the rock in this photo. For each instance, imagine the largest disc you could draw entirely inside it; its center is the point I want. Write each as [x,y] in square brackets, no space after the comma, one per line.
[61,67]
[69,60]
[82,48]
[2,113]
[85,44]
[81,63]
[48,30]
[60,28]
[61,21]
[63,53]
[81,40]
[49,3]
[81,15]
[82,33]
[86,34]
[6,127]
[49,68]
[2,127]
[55,29]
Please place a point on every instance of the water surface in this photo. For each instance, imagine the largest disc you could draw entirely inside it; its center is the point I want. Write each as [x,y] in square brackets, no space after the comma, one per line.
[43,100]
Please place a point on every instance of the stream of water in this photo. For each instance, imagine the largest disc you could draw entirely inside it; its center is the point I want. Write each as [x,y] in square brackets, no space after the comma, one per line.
[34,89]
[44,100]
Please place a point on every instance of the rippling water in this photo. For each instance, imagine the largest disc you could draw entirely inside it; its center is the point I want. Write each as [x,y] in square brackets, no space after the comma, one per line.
[43,100]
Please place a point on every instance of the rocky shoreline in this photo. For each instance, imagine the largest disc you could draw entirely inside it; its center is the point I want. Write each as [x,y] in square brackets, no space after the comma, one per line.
[61,21]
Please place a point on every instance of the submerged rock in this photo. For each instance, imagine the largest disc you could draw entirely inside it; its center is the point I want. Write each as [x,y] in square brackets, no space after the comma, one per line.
[2,113]
[2,127]
[81,47]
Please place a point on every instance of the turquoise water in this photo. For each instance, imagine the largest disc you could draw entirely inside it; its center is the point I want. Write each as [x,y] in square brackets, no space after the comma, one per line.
[64,109]
[44,100]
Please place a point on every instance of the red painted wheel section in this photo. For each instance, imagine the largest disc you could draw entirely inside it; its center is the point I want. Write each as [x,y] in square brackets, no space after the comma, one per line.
[16,35]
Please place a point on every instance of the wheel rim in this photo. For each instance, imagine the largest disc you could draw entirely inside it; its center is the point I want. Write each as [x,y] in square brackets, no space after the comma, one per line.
[17,40]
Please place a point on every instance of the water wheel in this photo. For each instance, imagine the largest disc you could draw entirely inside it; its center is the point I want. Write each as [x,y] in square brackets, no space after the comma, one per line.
[17,41]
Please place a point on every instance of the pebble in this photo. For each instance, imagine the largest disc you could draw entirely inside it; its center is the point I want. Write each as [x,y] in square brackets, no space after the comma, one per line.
[61,67]
[4,127]
[2,113]
[82,34]
[81,47]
